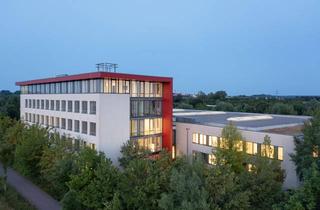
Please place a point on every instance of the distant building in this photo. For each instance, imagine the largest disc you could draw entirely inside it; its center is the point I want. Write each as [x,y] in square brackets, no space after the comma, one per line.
[199,132]
[102,109]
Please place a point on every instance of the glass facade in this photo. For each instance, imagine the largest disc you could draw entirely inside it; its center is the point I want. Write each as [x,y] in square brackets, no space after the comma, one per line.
[116,86]
[251,148]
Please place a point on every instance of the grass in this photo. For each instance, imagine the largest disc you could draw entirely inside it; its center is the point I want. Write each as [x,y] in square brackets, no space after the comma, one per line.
[11,200]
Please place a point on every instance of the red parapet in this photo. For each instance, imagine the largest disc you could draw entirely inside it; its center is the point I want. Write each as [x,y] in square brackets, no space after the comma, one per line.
[96,75]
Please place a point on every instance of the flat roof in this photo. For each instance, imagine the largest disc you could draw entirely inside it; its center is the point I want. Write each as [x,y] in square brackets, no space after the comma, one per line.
[245,121]
[96,75]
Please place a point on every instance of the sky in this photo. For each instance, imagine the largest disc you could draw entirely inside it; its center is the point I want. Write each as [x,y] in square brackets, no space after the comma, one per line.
[242,47]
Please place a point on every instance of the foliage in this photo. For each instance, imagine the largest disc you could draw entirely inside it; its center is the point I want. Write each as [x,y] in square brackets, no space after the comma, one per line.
[130,151]
[220,101]
[186,188]
[29,151]
[307,150]
[95,180]
[228,153]
[10,104]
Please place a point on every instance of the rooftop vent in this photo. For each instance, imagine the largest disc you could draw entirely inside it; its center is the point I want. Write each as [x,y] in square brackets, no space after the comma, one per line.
[108,67]
[250,118]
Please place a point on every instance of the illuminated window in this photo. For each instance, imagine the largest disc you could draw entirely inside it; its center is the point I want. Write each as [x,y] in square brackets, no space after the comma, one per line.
[267,151]
[239,146]
[195,138]
[249,148]
[213,141]
[152,144]
[203,139]
[223,143]
[212,159]
[315,152]
[249,167]
[280,153]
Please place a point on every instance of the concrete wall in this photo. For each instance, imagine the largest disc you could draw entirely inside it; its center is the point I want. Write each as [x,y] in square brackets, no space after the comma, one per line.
[112,119]
[185,146]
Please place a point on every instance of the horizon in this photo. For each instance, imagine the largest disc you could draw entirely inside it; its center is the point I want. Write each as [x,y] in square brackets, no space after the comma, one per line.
[244,48]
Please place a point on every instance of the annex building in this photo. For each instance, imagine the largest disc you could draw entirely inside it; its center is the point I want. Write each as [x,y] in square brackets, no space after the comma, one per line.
[199,132]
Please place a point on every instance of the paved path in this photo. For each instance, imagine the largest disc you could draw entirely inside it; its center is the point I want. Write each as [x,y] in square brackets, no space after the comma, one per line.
[37,197]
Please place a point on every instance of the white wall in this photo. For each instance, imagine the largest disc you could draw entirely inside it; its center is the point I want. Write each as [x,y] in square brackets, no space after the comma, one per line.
[184,146]
[112,119]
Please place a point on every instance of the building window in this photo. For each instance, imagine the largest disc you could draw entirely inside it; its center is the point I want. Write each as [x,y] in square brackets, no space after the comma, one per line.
[212,160]
[267,151]
[84,127]
[58,88]
[195,138]
[85,86]
[69,124]
[69,106]
[34,103]
[70,87]
[47,121]
[280,153]
[77,87]
[52,104]
[42,103]
[202,139]
[76,106]
[57,124]
[51,122]
[77,126]
[57,105]
[92,146]
[84,107]
[92,107]
[47,104]
[63,123]
[38,104]
[42,120]
[213,141]
[26,116]
[26,103]
[152,144]
[64,87]
[92,129]
[63,105]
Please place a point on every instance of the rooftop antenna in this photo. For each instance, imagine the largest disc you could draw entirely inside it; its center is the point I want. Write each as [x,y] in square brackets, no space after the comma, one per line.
[108,67]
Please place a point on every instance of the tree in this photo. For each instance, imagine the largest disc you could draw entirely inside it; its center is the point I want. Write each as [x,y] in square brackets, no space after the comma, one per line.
[231,149]
[281,108]
[29,151]
[57,164]
[130,151]
[7,145]
[264,179]
[225,189]
[6,159]
[307,197]
[307,149]
[95,181]
[186,188]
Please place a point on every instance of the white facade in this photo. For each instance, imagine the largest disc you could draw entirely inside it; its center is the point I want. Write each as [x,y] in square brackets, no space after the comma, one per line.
[108,127]
[185,146]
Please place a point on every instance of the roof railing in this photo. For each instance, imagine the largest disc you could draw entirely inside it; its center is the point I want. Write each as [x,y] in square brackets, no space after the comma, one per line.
[108,67]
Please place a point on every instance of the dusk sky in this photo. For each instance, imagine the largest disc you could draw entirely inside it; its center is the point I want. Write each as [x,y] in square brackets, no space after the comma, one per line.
[241,46]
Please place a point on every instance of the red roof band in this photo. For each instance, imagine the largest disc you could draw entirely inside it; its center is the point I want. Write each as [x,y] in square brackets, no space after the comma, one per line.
[96,75]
